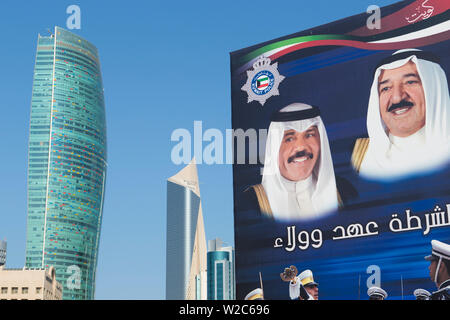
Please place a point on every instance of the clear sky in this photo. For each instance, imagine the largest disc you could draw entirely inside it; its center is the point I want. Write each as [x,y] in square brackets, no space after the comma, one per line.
[165,64]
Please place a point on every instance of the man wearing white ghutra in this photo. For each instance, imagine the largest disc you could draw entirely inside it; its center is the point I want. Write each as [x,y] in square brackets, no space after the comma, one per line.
[408,118]
[298,180]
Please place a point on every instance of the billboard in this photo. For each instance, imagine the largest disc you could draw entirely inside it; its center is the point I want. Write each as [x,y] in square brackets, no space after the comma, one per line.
[341,152]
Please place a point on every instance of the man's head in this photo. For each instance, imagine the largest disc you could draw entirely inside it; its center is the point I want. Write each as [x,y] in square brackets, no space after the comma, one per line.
[297,147]
[441,275]
[422,294]
[402,100]
[409,92]
[313,290]
[298,153]
[439,267]
[307,280]
[376,293]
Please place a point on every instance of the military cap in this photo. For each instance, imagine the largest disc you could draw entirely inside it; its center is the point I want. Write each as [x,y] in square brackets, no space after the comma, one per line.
[306,278]
[438,250]
[422,294]
[256,294]
[377,293]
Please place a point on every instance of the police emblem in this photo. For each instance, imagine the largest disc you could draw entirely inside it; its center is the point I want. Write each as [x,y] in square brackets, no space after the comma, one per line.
[262,81]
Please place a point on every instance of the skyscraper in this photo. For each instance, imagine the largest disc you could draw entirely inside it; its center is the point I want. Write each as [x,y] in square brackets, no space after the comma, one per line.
[66,162]
[221,278]
[186,242]
[2,252]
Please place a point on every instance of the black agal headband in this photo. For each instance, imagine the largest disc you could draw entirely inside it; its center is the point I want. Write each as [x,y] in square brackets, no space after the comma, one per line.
[295,115]
[424,55]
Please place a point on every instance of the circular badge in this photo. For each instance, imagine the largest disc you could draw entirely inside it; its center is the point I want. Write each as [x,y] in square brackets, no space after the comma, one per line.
[263,82]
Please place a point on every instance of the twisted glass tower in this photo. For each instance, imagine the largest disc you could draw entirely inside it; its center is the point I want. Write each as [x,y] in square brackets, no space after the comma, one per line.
[66,162]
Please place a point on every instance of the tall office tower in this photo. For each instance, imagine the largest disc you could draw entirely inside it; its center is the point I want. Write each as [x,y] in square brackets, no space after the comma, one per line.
[66,162]
[221,277]
[2,252]
[186,242]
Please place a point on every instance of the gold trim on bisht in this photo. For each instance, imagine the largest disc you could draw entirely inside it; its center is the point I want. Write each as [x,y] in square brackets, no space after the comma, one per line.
[263,201]
[340,201]
[359,151]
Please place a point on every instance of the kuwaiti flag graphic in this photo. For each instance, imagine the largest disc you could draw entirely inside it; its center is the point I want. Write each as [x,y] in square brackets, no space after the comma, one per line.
[400,35]
[262,82]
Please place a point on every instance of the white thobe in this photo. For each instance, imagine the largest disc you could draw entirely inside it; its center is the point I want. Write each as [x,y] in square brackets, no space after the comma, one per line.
[299,199]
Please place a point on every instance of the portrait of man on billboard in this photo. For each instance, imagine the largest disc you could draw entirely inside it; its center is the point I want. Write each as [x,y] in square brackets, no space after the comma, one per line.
[298,180]
[407,120]
[350,185]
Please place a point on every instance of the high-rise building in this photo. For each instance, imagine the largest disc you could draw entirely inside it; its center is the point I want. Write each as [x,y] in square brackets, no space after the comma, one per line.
[66,162]
[2,252]
[221,276]
[186,242]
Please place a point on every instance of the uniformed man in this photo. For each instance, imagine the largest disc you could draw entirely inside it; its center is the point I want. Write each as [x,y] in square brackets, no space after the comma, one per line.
[376,293]
[440,269]
[422,294]
[303,286]
[408,118]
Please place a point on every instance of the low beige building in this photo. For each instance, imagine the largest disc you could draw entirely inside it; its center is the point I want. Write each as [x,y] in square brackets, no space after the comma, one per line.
[29,284]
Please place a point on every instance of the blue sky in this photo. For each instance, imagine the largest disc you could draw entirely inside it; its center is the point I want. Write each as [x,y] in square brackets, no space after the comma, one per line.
[165,64]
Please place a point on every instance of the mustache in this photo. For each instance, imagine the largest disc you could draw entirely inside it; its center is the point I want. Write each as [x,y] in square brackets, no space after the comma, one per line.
[399,105]
[300,154]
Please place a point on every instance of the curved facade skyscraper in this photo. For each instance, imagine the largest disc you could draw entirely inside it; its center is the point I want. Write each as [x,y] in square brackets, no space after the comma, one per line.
[66,162]
[186,241]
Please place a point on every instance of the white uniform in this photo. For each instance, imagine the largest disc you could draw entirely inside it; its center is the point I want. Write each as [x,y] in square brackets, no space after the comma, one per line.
[297,290]
[294,290]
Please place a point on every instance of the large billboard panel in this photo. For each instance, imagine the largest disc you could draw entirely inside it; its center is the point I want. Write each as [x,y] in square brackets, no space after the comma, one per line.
[341,153]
